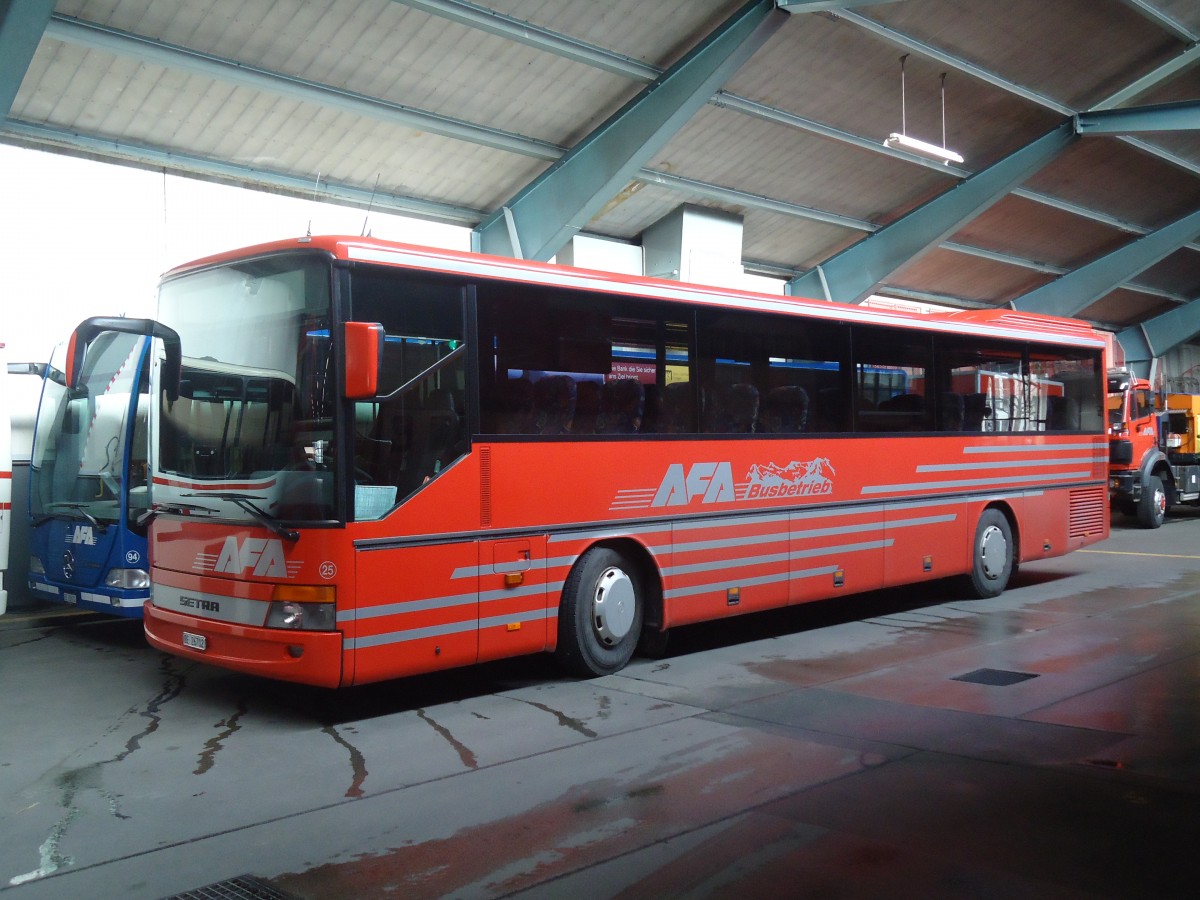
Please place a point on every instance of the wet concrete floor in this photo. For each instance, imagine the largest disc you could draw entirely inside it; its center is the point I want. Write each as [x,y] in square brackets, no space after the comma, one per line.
[906,743]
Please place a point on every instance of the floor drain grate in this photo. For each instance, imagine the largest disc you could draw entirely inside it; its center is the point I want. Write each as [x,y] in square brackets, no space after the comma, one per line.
[994,677]
[244,887]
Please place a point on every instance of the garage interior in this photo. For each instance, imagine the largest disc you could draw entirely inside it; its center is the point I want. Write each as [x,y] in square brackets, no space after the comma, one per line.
[1038,155]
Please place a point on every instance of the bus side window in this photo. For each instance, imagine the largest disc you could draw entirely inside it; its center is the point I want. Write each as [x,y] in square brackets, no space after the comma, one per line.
[893,370]
[784,410]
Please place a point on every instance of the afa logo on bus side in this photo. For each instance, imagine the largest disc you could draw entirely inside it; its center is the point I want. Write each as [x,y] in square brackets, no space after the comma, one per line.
[712,482]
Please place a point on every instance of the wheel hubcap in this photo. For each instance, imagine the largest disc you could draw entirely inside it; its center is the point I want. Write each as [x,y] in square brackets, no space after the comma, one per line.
[613,606]
[993,551]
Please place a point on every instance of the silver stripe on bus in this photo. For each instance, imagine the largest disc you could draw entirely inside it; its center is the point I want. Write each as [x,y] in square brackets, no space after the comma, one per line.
[528,590]
[535,565]
[676,593]
[749,582]
[406,606]
[725,564]
[975,482]
[447,602]
[1034,448]
[1009,464]
[768,558]
[416,634]
[635,529]
[844,548]
[413,634]
[856,528]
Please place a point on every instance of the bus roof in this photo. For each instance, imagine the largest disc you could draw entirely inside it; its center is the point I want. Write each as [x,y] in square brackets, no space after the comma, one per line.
[984,322]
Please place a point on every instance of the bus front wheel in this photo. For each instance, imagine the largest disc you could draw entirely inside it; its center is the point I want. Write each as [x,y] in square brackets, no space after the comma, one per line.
[600,618]
[993,557]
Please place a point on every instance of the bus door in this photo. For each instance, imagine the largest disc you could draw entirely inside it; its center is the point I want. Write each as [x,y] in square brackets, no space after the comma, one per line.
[89,453]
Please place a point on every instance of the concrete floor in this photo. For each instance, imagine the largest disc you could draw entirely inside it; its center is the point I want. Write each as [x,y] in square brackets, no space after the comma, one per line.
[830,751]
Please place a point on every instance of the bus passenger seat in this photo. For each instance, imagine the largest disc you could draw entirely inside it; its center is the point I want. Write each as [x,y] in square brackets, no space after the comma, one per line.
[623,403]
[975,411]
[553,404]
[679,408]
[952,411]
[734,410]
[784,410]
[587,407]
[515,407]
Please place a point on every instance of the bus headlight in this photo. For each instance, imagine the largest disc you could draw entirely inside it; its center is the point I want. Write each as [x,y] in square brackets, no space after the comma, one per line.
[128,579]
[301,616]
[35,566]
[302,608]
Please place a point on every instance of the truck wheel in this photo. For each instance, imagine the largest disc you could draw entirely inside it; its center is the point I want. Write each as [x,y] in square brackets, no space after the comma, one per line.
[993,556]
[1152,506]
[600,618]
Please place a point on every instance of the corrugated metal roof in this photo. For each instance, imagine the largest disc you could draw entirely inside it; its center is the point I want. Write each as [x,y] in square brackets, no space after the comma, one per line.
[464,104]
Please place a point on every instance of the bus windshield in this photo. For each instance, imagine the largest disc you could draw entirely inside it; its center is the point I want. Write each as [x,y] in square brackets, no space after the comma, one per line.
[252,429]
[79,466]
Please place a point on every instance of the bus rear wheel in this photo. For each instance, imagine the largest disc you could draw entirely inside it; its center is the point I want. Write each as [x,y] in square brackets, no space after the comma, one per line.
[600,618]
[993,556]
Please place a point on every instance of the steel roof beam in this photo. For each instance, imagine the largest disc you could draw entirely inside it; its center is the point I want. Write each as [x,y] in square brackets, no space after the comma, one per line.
[853,274]
[1162,20]
[1146,341]
[543,216]
[957,63]
[522,32]
[1076,290]
[31,134]
[1165,72]
[807,6]
[22,23]
[124,43]
[590,54]
[969,68]
[1181,116]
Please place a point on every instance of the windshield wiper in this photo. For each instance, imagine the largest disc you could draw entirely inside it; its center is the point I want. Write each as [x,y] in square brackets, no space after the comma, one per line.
[184,508]
[245,503]
[70,517]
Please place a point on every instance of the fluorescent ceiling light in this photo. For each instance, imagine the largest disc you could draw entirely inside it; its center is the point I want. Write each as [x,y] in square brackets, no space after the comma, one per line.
[899,141]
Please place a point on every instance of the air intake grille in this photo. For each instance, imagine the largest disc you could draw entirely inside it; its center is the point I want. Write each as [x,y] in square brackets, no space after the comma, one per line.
[485,487]
[1088,506]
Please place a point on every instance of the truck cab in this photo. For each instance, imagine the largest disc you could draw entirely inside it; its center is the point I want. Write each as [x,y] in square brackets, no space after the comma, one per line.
[1139,473]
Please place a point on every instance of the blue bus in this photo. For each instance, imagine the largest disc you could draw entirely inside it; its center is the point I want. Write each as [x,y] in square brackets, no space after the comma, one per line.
[88,480]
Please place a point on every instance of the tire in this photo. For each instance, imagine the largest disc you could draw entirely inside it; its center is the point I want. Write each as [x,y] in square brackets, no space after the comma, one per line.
[992,556]
[600,617]
[1152,505]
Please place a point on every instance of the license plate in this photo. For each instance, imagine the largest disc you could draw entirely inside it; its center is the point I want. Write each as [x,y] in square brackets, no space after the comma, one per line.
[195,641]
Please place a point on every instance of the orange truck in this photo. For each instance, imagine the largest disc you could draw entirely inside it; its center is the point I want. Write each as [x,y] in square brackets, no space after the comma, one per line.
[1154,454]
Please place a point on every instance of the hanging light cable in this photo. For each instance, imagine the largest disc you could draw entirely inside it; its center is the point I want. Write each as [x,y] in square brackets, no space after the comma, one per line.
[901,141]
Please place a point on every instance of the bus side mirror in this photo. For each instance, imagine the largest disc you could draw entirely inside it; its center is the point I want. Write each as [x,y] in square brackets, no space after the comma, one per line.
[363,347]
[89,329]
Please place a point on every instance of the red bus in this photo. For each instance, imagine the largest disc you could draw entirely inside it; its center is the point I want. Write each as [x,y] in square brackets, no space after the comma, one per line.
[371,460]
